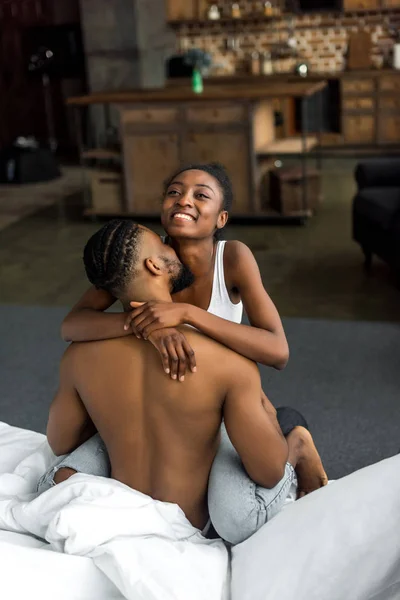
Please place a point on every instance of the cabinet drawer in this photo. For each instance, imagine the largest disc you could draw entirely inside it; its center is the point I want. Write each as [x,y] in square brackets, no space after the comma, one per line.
[361,4]
[215,114]
[359,129]
[353,86]
[390,83]
[107,191]
[391,3]
[350,103]
[389,129]
[149,115]
[389,103]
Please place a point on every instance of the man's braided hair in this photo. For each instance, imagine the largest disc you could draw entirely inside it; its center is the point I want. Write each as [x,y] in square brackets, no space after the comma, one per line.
[110,256]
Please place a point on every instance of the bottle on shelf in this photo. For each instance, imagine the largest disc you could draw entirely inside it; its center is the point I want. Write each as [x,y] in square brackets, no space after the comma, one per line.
[255,63]
[236,13]
[268,9]
[197,81]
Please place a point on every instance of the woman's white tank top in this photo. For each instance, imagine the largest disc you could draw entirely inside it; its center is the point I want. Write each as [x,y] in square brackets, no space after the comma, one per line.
[220,304]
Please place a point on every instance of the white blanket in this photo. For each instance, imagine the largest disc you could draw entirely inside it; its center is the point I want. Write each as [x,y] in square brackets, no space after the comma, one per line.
[147,549]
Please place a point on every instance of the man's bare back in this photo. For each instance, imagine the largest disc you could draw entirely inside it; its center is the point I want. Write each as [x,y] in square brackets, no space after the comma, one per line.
[162,436]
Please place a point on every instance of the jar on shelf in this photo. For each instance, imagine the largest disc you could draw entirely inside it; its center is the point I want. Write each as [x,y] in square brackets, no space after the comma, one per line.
[213,13]
[267,67]
[268,9]
[236,12]
[276,10]
[257,9]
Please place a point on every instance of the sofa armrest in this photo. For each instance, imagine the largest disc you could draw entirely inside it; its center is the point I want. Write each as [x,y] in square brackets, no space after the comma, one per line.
[378,172]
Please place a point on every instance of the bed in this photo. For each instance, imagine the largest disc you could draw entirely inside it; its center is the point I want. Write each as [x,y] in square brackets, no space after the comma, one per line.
[104,540]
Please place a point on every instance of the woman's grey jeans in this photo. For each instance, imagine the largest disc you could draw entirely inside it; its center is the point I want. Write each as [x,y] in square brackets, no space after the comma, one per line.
[238,506]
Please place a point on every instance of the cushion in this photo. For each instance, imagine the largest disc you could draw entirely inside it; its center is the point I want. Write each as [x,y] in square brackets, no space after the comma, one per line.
[340,543]
[379,205]
[378,172]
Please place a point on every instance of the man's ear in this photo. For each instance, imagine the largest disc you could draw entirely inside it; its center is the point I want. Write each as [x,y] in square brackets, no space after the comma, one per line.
[153,265]
[222,219]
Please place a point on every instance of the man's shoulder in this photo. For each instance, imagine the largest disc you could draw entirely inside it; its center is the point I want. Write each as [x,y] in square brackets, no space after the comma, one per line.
[100,347]
[222,356]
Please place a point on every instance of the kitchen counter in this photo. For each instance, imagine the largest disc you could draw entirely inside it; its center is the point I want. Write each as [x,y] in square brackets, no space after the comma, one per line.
[229,91]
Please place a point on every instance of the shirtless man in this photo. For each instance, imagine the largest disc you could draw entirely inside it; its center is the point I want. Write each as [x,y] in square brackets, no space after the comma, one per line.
[161,436]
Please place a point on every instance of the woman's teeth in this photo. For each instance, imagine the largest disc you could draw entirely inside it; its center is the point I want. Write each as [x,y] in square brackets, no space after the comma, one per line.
[183,216]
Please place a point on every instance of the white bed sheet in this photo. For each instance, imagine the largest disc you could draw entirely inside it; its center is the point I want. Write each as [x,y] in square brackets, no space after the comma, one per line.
[29,567]
[30,571]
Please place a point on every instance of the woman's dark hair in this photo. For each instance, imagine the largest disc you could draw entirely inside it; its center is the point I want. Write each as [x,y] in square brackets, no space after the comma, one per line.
[219,173]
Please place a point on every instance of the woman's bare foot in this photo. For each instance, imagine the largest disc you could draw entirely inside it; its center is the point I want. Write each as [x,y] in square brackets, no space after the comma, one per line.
[304,457]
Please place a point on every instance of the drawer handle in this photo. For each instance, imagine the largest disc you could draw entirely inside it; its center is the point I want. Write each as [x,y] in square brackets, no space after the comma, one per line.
[107,180]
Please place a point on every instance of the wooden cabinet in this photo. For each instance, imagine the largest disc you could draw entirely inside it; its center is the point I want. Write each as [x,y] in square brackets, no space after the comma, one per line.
[359,129]
[358,110]
[106,191]
[391,3]
[148,116]
[145,155]
[358,103]
[390,83]
[216,115]
[389,103]
[361,5]
[182,10]
[389,108]
[209,146]
[158,139]
[371,109]
[356,85]
[389,128]
[150,145]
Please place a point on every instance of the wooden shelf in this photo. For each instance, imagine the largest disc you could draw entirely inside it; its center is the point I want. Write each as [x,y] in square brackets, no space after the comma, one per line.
[291,145]
[260,19]
[228,20]
[101,154]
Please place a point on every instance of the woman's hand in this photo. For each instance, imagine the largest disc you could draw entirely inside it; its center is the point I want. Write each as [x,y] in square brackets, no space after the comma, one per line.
[176,353]
[148,317]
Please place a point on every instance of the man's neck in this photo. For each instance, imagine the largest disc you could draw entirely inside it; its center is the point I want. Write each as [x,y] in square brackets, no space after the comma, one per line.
[141,294]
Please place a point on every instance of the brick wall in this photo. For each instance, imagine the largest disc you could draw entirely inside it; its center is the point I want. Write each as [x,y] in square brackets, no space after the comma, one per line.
[322,39]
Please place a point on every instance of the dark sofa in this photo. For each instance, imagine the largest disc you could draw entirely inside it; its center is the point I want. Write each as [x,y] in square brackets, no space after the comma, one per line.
[376,210]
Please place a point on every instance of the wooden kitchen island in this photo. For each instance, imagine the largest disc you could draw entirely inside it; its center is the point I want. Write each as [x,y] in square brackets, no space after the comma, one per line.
[162,129]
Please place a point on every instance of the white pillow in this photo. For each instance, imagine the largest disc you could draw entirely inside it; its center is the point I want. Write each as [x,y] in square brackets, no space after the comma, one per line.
[339,543]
